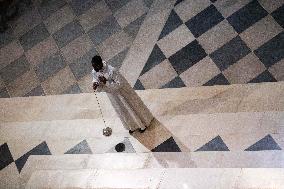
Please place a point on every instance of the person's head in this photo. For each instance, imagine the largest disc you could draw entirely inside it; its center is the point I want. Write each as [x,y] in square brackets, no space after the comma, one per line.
[97,63]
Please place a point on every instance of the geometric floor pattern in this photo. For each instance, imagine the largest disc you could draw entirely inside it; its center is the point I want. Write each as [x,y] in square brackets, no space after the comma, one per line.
[50,43]
[218,43]
[169,145]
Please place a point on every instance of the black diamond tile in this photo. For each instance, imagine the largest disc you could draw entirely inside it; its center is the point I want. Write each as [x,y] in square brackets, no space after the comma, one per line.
[48,7]
[172,23]
[204,20]
[230,53]
[265,76]
[216,144]
[34,36]
[167,146]
[138,85]
[50,66]
[68,33]
[4,93]
[81,148]
[187,56]
[266,143]
[175,83]
[155,58]
[178,2]
[41,149]
[247,16]
[114,5]
[213,1]
[5,156]
[217,80]
[14,70]
[117,60]
[104,30]
[38,91]
[73,89]
[272,51]
[278,15]
[81,6]
[82,66]
[133,28]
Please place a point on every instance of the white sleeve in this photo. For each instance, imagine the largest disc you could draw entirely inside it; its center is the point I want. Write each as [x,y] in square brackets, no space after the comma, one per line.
[95,77]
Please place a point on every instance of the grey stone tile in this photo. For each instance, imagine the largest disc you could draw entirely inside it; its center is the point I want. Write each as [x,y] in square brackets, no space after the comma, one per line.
[104,30]
[68,33]
[175,83]
[34,36]
[10,53]
[130,12]
[4,93]
[5,38]
[114,5]
[148,3]
[133,28]
[230,53]
[6,157]
[73,89]
[50,66]
[220,79]
[82,66]
[59,19]
[138,85]
[38,91]
[266,143]
[169,145]
[41,149]
[278,15]
[47,7]
[81,6]
[81,148]
[272,51]
[117,60]
[14,70]
[216,144]
[265,76]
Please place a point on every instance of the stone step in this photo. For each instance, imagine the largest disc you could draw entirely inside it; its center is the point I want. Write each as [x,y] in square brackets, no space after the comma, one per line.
[162,102]
[176,178]
[123,161]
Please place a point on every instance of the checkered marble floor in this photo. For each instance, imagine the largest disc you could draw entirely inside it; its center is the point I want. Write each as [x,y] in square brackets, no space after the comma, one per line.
[47,49]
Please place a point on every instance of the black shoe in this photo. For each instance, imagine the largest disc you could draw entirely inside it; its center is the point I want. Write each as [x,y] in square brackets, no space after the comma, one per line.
[130,132]
[142,130]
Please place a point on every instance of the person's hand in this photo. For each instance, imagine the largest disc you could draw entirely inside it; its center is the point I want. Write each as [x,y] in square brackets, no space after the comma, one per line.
[102,79]
[95,85]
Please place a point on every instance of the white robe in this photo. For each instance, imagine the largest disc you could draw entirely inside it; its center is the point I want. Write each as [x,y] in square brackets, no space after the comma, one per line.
[132,111]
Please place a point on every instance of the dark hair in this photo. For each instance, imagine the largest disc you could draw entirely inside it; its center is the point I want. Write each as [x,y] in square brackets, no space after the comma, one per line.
[97,60]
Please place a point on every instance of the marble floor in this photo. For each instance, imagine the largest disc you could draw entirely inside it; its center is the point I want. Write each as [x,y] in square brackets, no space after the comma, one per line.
[175,43]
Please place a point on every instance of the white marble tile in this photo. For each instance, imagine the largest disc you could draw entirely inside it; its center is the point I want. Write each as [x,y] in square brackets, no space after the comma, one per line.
[200,73]
[244,70]
[9,177]
[217,36]
[160,75]
[126,179]
[145,40]
[177,39]
[189,8]
[261,32]
[130,12]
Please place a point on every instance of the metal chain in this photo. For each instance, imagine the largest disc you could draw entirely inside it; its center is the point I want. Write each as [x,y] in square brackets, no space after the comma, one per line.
[100,110]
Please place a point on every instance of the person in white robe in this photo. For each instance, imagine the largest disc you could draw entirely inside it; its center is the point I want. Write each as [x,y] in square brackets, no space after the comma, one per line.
[132,111]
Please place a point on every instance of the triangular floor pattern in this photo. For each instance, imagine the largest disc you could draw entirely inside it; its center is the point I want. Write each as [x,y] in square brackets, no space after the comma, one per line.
[266,143]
